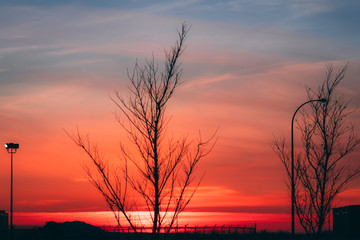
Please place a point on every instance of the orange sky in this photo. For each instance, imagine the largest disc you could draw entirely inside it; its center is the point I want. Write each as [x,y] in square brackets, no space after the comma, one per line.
[59,64]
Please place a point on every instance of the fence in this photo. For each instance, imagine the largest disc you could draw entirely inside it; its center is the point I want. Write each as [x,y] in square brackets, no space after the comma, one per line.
[224,229]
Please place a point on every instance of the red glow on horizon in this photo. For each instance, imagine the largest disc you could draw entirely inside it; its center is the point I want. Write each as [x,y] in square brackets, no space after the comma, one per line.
[270,222]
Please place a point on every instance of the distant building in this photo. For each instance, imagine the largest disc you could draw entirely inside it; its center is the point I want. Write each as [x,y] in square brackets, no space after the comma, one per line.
[4,224]
[346,220]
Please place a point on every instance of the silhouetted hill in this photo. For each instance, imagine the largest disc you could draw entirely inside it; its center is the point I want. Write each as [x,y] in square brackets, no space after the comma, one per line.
[64,231]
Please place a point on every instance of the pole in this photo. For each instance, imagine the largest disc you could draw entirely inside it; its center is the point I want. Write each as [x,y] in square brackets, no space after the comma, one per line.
[292,167]
[11,200]
[292,178]
[11,148]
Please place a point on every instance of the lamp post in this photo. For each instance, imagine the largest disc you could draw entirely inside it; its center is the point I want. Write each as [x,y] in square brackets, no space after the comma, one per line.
[11,148]
[323,100]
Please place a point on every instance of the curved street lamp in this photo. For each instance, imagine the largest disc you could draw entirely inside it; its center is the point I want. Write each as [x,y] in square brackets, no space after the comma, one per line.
[11,148]
[322,100]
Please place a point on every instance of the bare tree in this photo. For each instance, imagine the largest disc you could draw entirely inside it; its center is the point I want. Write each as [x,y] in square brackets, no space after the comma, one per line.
[164,175]
[323,169]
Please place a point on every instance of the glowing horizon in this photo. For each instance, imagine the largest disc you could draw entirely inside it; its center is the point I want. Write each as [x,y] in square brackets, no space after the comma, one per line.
[271,222]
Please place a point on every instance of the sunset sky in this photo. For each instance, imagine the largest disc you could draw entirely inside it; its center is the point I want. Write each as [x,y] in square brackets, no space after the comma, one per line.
[244,71]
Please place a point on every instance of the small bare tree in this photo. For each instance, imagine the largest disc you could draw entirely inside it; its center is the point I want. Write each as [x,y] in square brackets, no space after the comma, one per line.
[323,169]
[164,167]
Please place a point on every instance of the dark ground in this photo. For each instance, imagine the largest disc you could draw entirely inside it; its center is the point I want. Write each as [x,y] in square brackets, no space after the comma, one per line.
[82,231]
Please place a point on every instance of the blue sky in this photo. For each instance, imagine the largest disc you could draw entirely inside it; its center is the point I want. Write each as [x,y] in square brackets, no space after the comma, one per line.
[288,30]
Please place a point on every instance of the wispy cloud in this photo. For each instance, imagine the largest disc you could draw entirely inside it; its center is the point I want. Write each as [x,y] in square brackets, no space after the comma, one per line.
[210,79]
[80,180]
[50,202]
[167,6]
[304,8]
[297,8]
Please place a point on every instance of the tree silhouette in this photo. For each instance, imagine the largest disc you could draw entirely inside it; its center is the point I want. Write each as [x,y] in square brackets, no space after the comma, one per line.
[164,176]
[323,169]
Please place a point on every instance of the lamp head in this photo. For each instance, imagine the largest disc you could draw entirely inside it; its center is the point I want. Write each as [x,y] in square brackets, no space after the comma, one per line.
[323,100]
[11,147]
